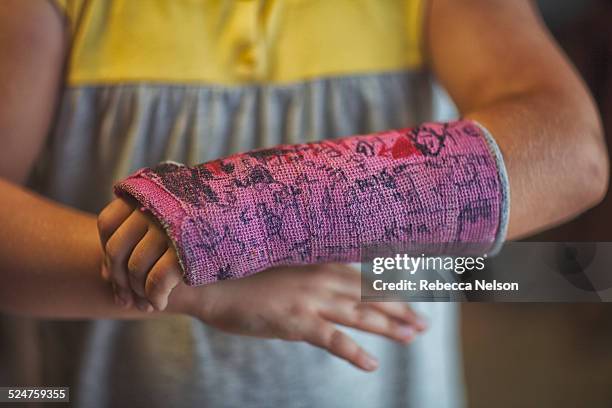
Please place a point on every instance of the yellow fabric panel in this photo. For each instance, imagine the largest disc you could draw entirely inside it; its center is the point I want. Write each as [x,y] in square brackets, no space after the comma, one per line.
[233,42]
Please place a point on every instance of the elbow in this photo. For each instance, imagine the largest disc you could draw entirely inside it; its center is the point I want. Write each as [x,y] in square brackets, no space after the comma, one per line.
[592,172]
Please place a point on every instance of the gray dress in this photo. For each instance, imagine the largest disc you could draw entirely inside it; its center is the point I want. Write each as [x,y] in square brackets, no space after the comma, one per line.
[104,133]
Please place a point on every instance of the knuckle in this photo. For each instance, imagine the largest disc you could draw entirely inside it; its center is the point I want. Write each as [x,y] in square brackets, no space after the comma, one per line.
[392,308]
[103,222]
[352,319]
[362,315]
[112,249]
[298,309]
[394,330]
[336,340]
[156,282]
[355,353]
[290,333]
[318,280]
[134,266]
[157,303]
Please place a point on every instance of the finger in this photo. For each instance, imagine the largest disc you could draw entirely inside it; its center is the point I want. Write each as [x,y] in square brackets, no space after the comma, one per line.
[402,312]
[121,244]
[119,247]
[362,317]
[143,305]
[111,217]
[326,335]
[350,286]
[145,254]
[164,277]
[104,271]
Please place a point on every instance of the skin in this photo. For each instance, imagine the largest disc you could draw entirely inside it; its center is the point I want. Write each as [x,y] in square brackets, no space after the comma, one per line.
[493,56]
[297,304]
[51,253]
[513,80]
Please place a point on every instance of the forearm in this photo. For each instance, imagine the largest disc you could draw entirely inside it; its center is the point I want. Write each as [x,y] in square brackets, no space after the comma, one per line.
[50,261]
[438,183]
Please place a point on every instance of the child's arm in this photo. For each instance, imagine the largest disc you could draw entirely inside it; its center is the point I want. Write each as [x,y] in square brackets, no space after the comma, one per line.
[307,204]
[503,70]
[49,254]
[50,257]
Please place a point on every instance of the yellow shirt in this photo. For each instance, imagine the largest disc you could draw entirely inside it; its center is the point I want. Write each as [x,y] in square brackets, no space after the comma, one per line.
[191,63]
[237,42]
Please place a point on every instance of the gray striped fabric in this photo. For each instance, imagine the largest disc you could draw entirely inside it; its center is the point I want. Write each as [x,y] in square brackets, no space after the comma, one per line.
[105,133]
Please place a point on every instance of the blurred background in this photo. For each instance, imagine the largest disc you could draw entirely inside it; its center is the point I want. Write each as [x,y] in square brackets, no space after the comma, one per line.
[553,355]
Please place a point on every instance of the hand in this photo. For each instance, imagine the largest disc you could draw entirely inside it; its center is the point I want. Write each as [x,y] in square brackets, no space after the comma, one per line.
[293,303]
[139,259]
[303,304]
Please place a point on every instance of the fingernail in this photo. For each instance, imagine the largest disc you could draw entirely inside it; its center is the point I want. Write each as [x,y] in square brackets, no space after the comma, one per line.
[144,306]
[369,362]
[406,332]
[421,324]
[141,306]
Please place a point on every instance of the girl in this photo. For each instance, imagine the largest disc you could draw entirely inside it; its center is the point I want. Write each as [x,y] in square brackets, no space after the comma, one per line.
[94,90]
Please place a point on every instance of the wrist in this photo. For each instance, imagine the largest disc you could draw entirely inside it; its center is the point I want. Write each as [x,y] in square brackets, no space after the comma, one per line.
[183,300]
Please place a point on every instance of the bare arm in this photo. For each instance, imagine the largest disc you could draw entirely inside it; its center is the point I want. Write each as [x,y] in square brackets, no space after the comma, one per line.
[502,68]
[50,257]
[50,254]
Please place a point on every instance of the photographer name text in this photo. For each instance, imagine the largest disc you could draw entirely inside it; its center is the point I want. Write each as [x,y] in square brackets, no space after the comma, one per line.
[439,285]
